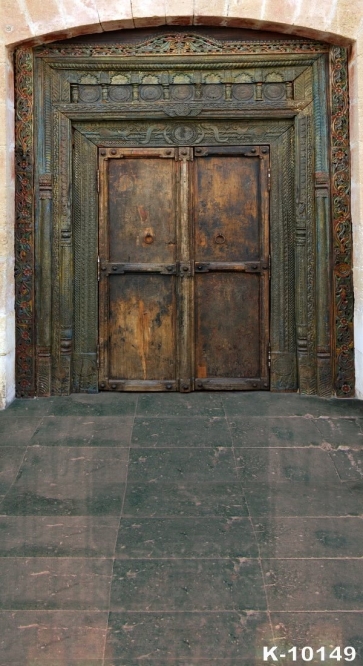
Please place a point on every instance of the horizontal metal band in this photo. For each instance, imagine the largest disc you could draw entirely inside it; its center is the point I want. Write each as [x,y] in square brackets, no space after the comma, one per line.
[238,266]
[235,384]
[138,385]
[115,268]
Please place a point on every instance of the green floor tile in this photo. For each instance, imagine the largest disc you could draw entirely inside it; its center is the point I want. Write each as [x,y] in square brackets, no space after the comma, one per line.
[186,636]
[52,638]
[309,466]
[181,431]
[83,431]
[314,584]
[186,537]
[287,404]
[341,432]
[309,537]
[349,464]
[10,461]
[188,465]
[68,481]
[101,404]
[180,404]
[55,583]
[182,584]
[16,429]
[274,432]
[288,499]
[189,499]
[327,630]
[29,407]
[67,536]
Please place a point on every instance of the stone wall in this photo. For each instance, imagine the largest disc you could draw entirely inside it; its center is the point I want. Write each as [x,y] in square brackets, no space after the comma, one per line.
[36,21]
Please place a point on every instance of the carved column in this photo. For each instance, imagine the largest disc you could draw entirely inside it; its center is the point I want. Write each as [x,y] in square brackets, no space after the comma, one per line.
[304,262]
[44,276]
[323,268]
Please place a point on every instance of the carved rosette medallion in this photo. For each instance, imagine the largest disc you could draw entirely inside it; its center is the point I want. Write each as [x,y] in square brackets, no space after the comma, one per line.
[183,135]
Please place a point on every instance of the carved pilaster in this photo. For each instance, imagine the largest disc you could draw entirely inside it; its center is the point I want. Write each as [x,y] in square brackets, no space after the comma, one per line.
[85,219]
[323,318]
[304,261]
[24,225]
[342,226]
[283,374]
[44,277]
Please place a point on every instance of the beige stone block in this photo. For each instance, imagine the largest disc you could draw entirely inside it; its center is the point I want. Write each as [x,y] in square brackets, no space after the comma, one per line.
[14,22]
[147,13]
[247,9]
[57,15]
[7,379]
[204,10]
[7,332]
[6,240]
[7,284]
[3,51]
[358,374]
[179,12]
[349,18]
[115,14]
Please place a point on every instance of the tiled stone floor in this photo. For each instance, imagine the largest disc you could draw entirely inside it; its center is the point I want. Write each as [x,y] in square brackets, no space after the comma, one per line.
[179,530]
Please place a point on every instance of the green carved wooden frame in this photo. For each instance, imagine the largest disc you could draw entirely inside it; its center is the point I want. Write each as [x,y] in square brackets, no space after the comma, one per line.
[56,198]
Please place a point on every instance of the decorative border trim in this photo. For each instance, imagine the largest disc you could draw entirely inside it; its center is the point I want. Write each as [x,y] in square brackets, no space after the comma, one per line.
[187,44]
[24,224]
[341,225]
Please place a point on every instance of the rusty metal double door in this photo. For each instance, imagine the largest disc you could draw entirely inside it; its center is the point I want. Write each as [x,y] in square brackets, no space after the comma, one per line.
[184,268]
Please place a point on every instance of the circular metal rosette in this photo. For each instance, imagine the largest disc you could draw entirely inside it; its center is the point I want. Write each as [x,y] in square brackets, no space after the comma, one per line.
[274,92]
[181,92]
[120,93]
[243,91]
[89,93]
[150,93]
[183,135]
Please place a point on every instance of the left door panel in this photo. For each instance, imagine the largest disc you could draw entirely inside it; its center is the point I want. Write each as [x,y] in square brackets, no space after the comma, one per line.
[137,269]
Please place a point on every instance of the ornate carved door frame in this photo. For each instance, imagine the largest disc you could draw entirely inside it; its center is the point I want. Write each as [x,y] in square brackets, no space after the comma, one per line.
[73,99]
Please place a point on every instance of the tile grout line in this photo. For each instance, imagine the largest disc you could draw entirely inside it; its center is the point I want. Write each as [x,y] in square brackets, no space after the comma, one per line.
[119,527]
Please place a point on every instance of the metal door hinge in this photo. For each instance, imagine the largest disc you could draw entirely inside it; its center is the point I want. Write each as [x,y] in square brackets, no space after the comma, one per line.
[98,268]
[269,267]
[98,180]
[98,356]
[269,355]
[268,180]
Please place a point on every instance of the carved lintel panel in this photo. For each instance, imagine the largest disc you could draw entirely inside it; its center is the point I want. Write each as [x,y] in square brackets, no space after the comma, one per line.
[126,133]
[186,45]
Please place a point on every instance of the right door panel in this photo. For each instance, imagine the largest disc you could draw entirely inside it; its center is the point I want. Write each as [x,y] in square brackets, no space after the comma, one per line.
[231,250]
